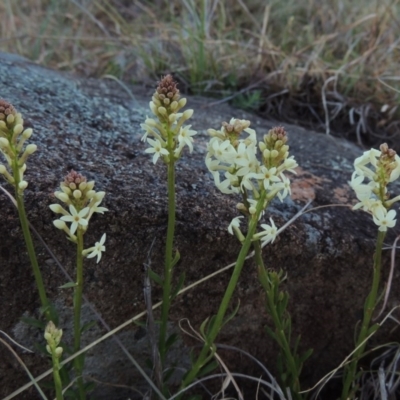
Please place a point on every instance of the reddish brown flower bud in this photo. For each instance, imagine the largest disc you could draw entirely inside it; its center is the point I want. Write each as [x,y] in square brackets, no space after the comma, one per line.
[167,90]
[6,109]
[73,179]
[387,162]
[166,99]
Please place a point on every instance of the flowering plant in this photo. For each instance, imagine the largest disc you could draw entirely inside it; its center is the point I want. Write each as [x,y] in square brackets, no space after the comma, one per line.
[82,201]
[236,169]
[373,171]
[378,168]
[235,159]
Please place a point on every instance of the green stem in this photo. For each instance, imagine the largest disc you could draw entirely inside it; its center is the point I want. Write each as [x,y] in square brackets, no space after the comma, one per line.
[272,291]
[78,292]
[56,375]
[166,302]
[29,245]
[369,307]
[218,321]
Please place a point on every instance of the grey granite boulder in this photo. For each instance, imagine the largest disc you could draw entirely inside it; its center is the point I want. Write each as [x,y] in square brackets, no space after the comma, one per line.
[93,126]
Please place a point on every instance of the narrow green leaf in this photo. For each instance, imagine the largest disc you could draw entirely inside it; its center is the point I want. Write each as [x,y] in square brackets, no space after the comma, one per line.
[171,340]
[167,374]
[33,322]
[178,286]
[296,345]
[52,311]
[155,277]
[282,305]
[87,326]
[176,259]
[230,316]
[270,332]
[373,329]
[207,368]
[306,355]
[68,285]
[203,327]
[64,375]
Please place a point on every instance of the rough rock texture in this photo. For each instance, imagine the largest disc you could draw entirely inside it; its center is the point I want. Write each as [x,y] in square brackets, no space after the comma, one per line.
[92,126]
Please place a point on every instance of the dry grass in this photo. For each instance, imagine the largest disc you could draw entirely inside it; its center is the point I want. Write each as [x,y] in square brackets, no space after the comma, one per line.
[319,63]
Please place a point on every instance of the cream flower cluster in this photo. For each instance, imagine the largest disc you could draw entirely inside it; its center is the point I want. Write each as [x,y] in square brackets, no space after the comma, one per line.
[236,168]
[235,160]
[82,202]
[53,338]
[169,134]
[13,136]
[374,170]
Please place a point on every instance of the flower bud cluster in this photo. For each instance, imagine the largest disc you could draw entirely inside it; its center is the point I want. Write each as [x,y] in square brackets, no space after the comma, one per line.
[82,201]
[236,159]
[170,136]
[378,168]
[235,168]
[53,338]
[12,139]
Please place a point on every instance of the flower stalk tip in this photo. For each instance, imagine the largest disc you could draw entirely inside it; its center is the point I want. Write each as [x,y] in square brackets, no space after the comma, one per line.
[373,171]
[13,136]
[167,135]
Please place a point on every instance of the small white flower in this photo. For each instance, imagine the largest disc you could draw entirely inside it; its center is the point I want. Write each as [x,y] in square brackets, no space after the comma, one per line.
[269,176]
[235,223]
[268,235]
[185,137]
[247,183]
[96,250]
[396,172]
[94,208]
[226,186]
[246,159]
[285,188]
[383,218]
[363,191]
[288,165]
[223,151]
[157,149]
[76,218]
[369,157]
[211,164]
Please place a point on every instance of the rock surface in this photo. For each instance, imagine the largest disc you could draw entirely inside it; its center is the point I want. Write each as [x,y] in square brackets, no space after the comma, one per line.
[93,126]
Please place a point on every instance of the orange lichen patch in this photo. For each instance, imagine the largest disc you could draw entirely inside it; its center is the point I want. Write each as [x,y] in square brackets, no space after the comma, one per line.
[304,184]
[343,194]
